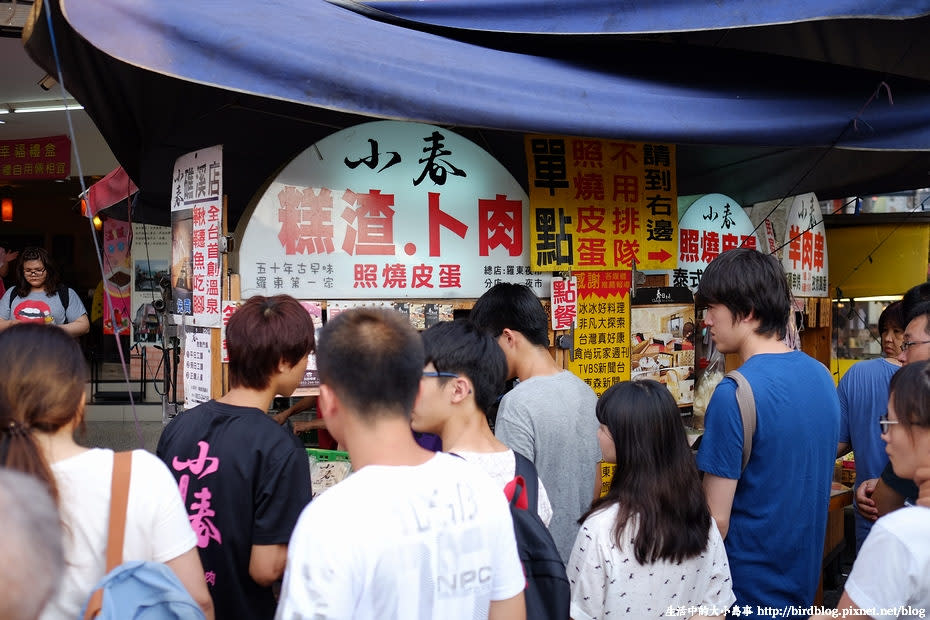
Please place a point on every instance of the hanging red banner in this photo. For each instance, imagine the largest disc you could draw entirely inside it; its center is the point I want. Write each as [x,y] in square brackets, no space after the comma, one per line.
[35,158]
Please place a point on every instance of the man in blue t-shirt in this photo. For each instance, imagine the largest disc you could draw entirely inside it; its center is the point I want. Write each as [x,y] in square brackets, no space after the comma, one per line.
[773,513]
[876,497]
[863,393]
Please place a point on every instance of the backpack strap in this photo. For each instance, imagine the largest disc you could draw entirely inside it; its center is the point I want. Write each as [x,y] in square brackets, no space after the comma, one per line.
[119,500]
[747,411]
[64,296]
[526,469]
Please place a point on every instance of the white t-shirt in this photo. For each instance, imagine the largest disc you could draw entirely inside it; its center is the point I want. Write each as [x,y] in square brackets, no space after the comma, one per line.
[157,527]
[429,541]
[607,580]
[892,568]
[501,466]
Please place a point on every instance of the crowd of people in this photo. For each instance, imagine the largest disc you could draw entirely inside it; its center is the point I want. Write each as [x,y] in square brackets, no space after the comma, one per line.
[226,504]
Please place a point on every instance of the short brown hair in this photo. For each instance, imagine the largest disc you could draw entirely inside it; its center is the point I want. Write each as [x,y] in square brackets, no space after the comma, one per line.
[264,332]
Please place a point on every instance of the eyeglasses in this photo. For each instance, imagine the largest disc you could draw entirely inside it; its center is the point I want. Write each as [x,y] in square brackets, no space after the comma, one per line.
[436,373]
[34,272]
[884,423]
[906,345]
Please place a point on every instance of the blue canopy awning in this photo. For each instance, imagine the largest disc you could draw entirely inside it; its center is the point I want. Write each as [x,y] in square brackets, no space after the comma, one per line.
[636,16]
[266,80]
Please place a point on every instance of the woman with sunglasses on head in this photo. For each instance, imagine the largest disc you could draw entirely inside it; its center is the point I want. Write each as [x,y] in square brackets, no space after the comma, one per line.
[889,577]
[39,297]
[649,548]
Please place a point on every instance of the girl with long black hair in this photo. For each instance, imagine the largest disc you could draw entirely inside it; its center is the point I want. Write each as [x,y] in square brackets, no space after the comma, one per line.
[649,548]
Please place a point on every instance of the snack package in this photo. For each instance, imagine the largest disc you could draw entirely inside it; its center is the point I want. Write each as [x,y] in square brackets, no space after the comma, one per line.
[713,374]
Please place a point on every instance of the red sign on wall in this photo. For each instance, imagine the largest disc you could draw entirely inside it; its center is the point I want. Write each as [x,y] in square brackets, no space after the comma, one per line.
[35,158]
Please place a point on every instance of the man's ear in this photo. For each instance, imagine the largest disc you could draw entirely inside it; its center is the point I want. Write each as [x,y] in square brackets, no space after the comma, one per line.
[462,389]
[508,338]
[327,404]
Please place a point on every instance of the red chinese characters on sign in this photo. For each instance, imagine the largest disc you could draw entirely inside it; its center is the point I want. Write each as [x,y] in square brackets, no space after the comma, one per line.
[306,221]
[600,204]
[805,248]
[706,245]
[35,158]
[205,260]
[501,225]
[371,225]
[396,275]
[564,302]
[439,219]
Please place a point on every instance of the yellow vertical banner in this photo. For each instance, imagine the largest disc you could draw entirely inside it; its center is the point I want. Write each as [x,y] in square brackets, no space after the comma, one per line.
[601,347]
[601,204]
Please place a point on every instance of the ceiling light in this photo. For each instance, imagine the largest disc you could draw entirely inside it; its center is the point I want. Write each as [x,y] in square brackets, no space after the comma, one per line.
[48,108]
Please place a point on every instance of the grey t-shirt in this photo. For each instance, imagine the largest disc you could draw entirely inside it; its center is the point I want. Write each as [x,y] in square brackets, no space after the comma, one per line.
[550,420]
[37,307]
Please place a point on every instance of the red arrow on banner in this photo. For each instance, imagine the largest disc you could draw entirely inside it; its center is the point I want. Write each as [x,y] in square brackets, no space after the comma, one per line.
[660,256]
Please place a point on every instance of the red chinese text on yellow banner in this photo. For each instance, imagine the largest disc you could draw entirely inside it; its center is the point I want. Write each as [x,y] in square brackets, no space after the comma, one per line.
[601,204]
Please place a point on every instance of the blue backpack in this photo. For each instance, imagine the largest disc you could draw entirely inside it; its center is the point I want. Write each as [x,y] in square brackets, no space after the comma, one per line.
[143,590]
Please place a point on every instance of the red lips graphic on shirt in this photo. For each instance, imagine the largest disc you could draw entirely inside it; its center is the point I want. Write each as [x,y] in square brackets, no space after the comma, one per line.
[33,311]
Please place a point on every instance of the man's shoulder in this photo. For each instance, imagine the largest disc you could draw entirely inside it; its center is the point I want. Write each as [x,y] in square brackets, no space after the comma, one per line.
[776,366]
[237,422]
[865,370]
[540,385]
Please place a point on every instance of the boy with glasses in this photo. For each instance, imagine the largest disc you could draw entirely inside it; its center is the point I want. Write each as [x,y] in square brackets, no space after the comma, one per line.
[463,376]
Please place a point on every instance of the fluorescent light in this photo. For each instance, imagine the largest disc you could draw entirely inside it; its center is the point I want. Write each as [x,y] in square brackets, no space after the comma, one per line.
[48,108]
[4,111]
[872,298]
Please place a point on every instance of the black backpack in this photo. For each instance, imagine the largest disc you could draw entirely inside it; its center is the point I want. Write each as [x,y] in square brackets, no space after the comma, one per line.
[547,594]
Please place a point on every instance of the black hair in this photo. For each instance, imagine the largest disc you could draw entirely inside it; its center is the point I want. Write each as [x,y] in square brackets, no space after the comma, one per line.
[512,306]
[748,282]
[656,485]
[915,296]
[52,277]
[462,348]
[373,359]
[910,388]
[893,314]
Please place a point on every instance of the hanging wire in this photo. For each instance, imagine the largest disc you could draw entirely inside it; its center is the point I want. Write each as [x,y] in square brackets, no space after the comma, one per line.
[90,223]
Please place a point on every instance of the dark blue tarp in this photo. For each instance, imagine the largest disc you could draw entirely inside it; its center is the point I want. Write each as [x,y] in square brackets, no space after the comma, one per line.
[267,79]
[637,16]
